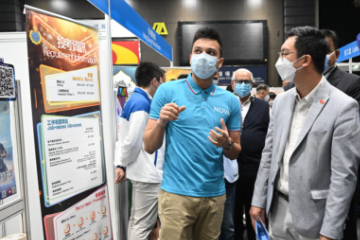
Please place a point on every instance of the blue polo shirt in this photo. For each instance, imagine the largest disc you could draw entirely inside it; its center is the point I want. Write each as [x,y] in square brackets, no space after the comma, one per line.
[193,165]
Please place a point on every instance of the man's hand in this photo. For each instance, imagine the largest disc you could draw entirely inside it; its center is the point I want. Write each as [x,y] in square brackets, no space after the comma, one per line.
[119,175]
[170,112]
[255,213]
[222,139]
[325,238]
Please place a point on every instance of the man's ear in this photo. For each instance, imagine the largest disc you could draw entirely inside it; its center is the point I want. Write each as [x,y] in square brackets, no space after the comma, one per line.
[153,81]
[220,63]
[190,58]
[307,60]
[337,52]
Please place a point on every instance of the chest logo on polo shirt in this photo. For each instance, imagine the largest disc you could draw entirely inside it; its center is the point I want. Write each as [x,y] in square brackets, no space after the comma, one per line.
[221,110]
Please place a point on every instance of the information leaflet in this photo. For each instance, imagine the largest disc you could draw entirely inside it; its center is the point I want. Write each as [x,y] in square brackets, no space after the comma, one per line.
[88,219]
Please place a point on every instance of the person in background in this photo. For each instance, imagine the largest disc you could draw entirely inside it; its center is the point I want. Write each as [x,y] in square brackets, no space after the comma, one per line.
[230,88]
[202,124]
[272,98]
[182,76]
[231,175]
[255,119]
[262,92]
[143,169]
[308,169]
[287,85]
[349,84]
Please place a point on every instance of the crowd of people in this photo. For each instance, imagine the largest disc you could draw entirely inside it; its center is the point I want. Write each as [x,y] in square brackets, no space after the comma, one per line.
[201,158]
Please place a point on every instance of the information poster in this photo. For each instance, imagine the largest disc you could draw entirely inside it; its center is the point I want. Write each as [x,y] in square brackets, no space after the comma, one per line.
[7,150]
[88,219]
[65,92]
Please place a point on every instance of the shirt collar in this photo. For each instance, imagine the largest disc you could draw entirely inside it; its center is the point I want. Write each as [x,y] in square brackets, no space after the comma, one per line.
[196,89]
[308,99]
[144,93]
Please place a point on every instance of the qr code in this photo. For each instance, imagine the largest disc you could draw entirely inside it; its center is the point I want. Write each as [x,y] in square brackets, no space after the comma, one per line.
[13,189]
[3,194]
[7,83]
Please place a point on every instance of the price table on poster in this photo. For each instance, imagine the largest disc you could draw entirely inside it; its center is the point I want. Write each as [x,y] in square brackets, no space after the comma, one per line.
[72,150]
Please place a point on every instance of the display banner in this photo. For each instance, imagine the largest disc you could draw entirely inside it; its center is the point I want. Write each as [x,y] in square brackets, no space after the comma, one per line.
[174,73]
[65,93]
[125,76]
[126,52]
[126,16]
[349,51]
[259,73]
[8,154]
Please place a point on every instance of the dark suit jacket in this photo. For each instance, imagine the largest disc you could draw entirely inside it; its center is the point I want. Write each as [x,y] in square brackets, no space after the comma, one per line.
[346,82]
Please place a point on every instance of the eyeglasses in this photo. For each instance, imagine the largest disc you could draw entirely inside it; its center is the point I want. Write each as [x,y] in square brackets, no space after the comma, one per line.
[282,54]
[242,81]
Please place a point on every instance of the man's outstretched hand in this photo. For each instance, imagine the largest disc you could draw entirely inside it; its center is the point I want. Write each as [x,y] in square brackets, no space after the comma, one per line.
[220,140]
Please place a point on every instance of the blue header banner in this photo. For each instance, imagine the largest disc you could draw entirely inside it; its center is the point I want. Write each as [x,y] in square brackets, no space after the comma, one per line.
[126,16]
[349,51]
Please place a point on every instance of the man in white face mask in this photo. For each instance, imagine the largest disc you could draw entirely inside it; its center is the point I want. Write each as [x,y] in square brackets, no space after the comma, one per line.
[308,169]
[349,84]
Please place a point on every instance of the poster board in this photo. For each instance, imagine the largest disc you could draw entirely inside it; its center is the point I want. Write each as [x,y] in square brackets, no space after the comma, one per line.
[64,73]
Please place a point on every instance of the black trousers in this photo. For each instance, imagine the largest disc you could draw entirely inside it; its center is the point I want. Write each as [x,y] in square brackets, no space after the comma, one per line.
[350,231]
[244,192]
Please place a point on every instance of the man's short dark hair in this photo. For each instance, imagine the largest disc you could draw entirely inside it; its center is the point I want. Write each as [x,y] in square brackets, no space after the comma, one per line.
[310,41]
[208,33]
[331,34]
[145,72]
[272,95]
[262,86]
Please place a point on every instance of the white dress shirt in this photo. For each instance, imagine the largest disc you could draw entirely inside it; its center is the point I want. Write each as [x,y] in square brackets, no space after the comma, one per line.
[301,109]
[245,107]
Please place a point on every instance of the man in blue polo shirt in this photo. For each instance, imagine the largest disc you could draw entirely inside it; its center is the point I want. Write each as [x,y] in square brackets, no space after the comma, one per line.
[202,122]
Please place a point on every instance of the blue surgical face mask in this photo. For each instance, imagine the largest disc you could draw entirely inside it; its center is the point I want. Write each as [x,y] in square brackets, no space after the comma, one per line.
[243,90]
[327,61]
[203,65]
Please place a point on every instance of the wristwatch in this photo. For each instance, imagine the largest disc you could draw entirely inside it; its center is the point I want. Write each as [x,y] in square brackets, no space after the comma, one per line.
[231,144]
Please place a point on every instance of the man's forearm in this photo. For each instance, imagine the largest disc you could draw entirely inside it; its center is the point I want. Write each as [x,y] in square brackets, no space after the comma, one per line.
[153,138]
[233,153]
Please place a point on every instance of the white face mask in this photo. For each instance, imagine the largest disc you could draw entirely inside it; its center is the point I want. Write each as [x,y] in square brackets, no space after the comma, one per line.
[286,68]
[267,97]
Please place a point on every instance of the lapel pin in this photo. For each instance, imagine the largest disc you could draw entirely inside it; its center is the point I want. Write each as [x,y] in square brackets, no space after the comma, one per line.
[321,101]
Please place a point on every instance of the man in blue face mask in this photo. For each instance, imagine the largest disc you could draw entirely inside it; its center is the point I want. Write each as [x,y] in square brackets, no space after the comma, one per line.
[202,124]
[255,118]
[349,84]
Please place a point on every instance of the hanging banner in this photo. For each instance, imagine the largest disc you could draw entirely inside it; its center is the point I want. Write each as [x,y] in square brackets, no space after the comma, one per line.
[348,51]
[259,73]
[126,16]
[65,92]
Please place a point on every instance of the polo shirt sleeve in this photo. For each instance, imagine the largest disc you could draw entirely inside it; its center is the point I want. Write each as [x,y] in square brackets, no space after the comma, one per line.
[234,122]
[159,100]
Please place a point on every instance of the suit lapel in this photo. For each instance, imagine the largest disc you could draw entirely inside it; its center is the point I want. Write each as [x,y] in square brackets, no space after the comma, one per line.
[317,106]
[286,119]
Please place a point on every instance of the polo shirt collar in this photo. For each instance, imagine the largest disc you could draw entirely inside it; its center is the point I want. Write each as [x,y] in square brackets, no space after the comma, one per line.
[142,92]
[196,89]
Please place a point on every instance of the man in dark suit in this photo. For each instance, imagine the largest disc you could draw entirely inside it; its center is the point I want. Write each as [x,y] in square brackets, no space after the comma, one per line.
[349,84]
[255,118]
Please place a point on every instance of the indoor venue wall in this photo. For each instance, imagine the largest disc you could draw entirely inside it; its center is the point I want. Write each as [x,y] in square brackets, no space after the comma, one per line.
[171,12]
[342,17]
